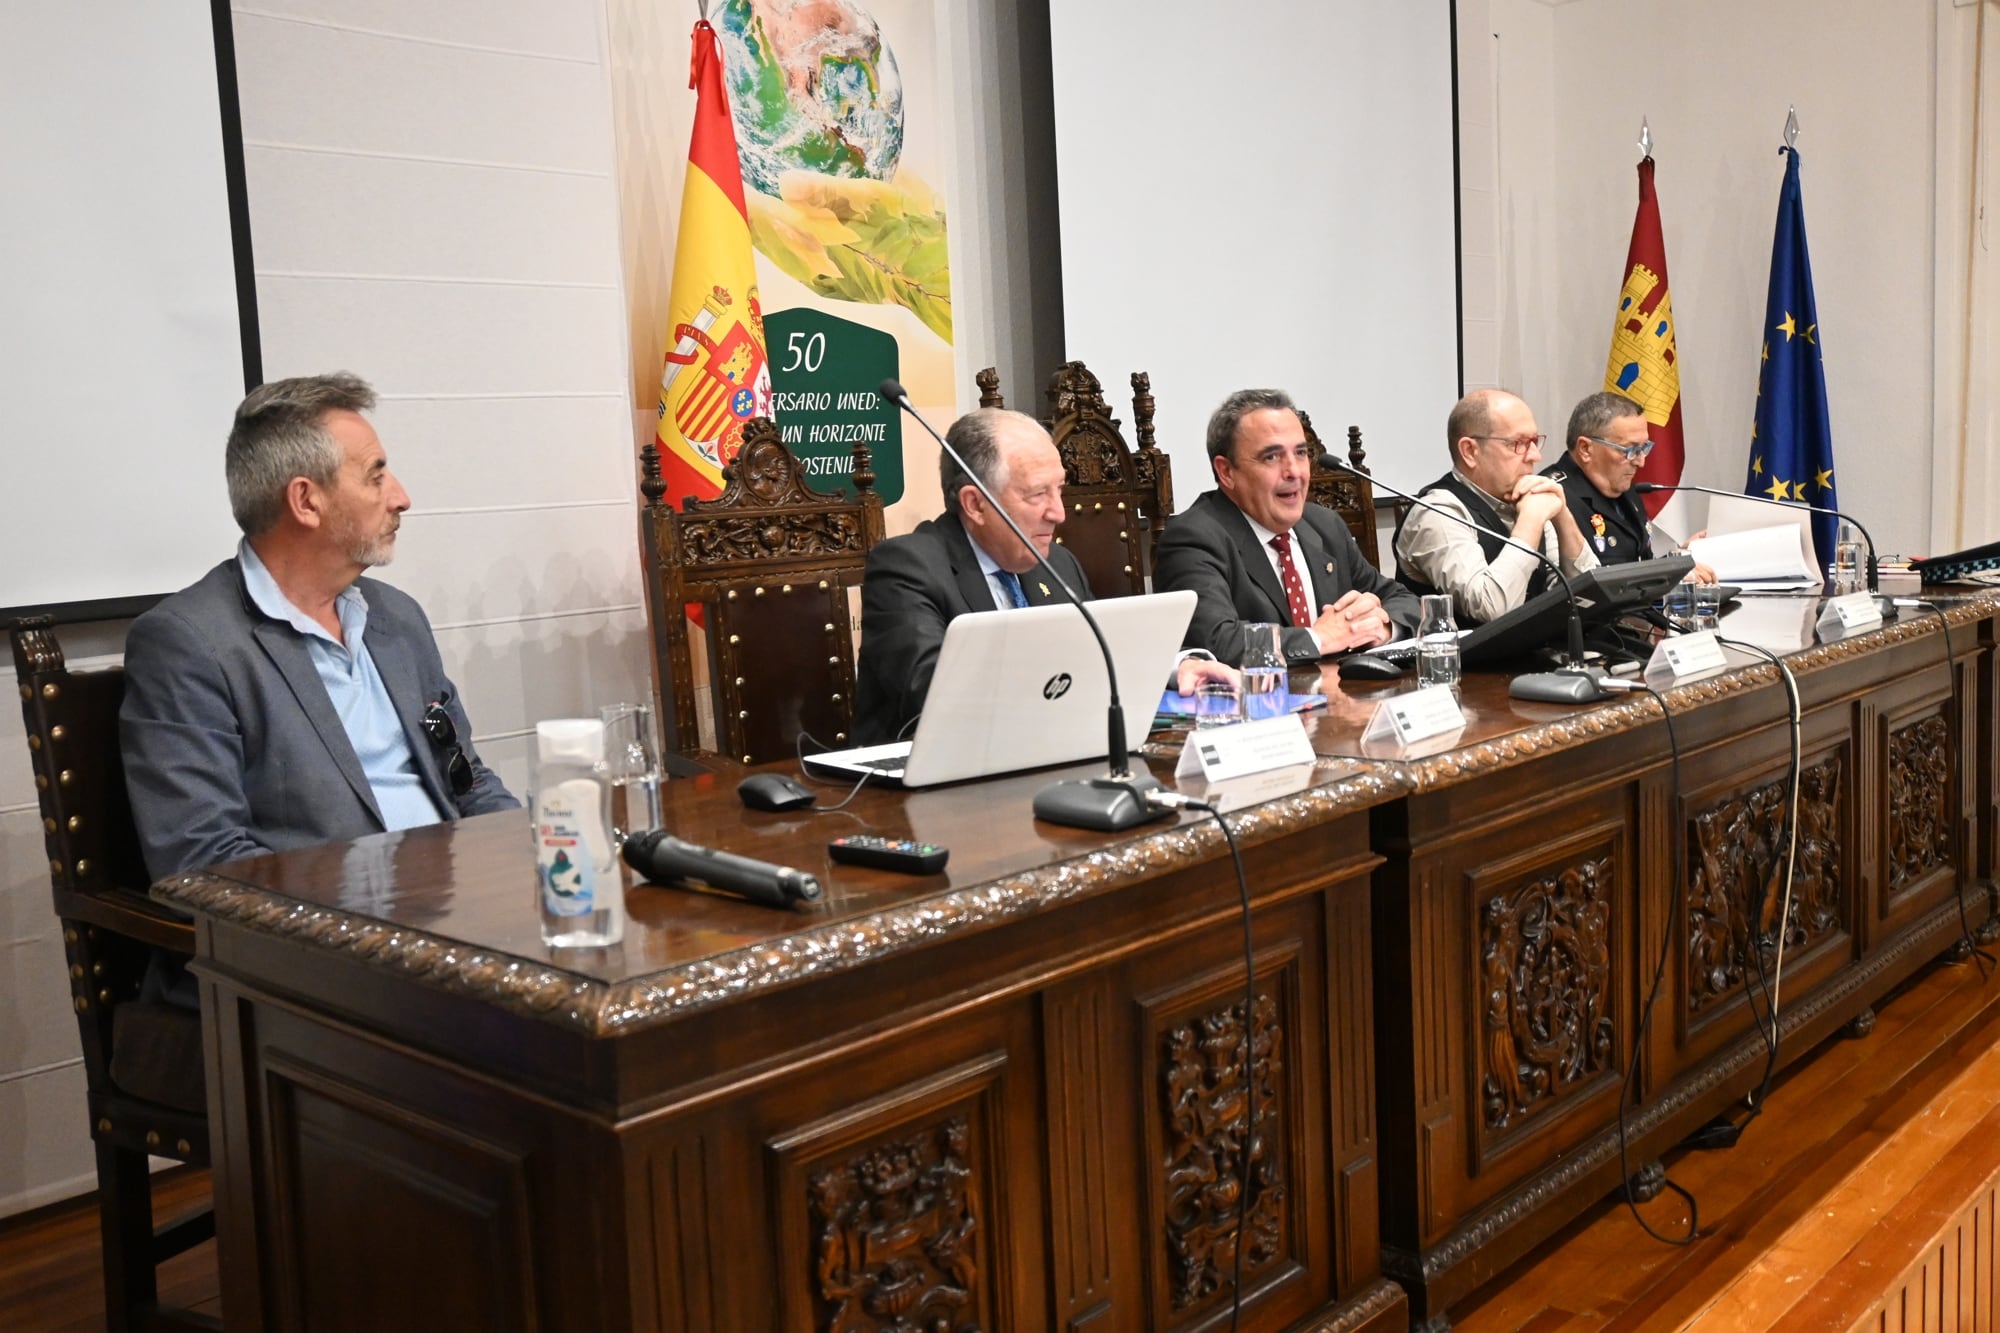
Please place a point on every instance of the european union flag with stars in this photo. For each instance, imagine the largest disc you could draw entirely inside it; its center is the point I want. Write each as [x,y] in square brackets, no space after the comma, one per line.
[1791,445]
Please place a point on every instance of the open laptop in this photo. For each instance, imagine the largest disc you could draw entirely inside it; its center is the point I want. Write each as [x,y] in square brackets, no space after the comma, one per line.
[1026,689]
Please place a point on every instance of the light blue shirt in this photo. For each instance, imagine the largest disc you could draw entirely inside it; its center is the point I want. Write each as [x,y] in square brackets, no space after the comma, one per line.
[356,690]
[1002,599]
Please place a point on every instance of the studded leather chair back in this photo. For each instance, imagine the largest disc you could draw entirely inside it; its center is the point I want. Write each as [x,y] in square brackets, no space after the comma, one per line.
[141,1061]
[766,566]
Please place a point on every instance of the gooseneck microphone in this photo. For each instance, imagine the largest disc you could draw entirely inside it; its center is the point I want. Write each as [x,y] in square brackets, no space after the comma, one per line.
[664,859]
[1118,800]
[1874,581]
[1575,681]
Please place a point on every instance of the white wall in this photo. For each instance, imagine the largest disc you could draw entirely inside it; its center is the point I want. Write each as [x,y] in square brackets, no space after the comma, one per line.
[1714,78]
[433,207]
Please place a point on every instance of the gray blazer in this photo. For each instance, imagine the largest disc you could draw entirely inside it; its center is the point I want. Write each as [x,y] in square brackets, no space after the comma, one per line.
[232,746]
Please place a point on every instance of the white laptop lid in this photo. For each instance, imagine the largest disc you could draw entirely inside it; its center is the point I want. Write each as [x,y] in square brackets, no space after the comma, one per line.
[1026,689]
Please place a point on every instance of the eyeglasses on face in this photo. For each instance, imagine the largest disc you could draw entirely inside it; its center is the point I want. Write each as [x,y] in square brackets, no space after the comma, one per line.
[438,726]
[1520,444]
[1632,453]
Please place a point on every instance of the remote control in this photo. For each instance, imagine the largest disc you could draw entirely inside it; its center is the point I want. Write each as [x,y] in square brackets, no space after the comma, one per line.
[912,858]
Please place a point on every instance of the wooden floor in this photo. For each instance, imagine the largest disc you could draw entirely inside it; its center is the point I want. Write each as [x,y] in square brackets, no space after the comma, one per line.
[1824,1120]
[50,1281]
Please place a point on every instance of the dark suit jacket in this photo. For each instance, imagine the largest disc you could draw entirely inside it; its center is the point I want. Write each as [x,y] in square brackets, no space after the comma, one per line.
[1210,548]
[912,588]
[1617,529]
[232,746]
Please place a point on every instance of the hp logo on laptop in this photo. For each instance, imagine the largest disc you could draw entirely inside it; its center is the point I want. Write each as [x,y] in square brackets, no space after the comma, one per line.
[1056,686]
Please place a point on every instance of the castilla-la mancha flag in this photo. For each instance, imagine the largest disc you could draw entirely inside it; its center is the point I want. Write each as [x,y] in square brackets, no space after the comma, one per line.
[717,374]
[1643,365]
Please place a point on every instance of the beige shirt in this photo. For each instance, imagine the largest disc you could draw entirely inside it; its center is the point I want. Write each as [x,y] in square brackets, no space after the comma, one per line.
[1447,556]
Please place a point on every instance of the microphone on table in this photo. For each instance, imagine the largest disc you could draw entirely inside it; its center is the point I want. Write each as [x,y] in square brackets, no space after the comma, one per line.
[1575,681]
[663,858]
[1119,799]
[1874,582]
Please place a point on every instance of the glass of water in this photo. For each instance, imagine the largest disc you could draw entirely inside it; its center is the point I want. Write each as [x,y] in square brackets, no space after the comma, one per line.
[632,767]
[1263,666]
[1437,642]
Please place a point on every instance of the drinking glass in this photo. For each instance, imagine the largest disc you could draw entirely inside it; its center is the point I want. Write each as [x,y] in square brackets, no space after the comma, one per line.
[632,767]
[1707,606]
[1263,666]
[1216,704]
[1680,606]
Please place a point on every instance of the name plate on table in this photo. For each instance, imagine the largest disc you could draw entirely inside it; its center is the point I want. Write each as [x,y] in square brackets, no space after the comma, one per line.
[1685,655]
[1220,753]
[1419,715]
[1856,610]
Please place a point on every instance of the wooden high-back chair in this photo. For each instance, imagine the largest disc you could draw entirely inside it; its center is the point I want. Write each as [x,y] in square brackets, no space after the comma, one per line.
[1118,497]
[1353,498]
[141,1061]
[769,563]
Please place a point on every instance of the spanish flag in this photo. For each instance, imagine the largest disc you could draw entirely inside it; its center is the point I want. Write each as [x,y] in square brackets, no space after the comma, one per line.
[717,374]
[1643,364]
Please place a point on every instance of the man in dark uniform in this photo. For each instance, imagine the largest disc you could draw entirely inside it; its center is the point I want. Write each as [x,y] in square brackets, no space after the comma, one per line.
[1607,444]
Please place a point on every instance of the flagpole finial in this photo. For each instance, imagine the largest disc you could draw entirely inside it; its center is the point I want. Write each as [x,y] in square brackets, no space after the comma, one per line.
[1645,139]
[1791,127]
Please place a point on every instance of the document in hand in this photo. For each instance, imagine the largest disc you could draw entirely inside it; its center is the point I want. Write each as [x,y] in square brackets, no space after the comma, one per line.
[1746,547]
[1761,560]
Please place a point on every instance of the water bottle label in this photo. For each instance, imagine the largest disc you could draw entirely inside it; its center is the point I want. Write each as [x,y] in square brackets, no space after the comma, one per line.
[564,862]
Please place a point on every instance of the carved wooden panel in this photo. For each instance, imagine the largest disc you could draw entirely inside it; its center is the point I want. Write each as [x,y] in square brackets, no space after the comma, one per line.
[1736,879]
[900,1237]
[1919,801]
[1207,1109]
[1545,968]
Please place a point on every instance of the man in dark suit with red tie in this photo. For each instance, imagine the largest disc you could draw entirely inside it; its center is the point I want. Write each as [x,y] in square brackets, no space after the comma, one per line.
[1255,549]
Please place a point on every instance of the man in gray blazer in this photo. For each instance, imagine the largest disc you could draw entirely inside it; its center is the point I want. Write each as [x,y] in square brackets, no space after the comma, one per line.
[1257,550]
[284,700]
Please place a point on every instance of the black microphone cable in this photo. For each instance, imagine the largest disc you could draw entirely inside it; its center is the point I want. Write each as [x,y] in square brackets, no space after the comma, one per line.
[1628,1087]
[1980,957]
[1722,1132]
[1171,799]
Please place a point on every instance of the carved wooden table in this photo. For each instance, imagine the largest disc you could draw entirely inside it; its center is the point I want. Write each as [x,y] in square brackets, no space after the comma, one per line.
[1002,1098]
[1529,887]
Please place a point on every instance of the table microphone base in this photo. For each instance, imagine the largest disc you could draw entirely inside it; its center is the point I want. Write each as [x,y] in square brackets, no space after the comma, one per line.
[1571,685]
[1108,804]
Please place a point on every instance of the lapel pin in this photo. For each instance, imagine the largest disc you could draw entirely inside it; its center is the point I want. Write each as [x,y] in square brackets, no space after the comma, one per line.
[1043,586]
[1329,566]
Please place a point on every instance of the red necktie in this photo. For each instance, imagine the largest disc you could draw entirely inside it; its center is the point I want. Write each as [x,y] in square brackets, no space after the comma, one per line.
[1288,574]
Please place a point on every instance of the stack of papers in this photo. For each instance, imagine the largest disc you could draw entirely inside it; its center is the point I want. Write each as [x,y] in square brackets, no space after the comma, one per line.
[1759,559]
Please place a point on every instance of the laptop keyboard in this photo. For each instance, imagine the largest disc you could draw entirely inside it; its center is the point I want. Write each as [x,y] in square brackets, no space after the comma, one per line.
[892,765]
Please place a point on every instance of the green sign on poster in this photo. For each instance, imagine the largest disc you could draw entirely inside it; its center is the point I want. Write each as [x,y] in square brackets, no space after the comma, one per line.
[825,373]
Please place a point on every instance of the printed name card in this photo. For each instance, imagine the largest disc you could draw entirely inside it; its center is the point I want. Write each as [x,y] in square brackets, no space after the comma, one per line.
[1220,753]
[1416,716]
[1685,655]
[1857,610]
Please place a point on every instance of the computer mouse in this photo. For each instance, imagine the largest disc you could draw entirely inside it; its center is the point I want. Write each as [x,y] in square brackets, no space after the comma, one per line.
[1363,666]
[774,791]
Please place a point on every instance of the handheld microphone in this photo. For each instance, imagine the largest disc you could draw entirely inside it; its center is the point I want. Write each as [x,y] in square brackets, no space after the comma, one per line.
[1118,800]
[663,858]
[1874,581]
[1575,681]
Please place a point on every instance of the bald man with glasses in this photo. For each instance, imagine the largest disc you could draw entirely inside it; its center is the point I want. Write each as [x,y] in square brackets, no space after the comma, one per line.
[1608,442]
[1495,449]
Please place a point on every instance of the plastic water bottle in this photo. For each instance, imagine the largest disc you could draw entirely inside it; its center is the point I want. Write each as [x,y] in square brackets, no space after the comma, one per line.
[1437,643]
[579,892]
